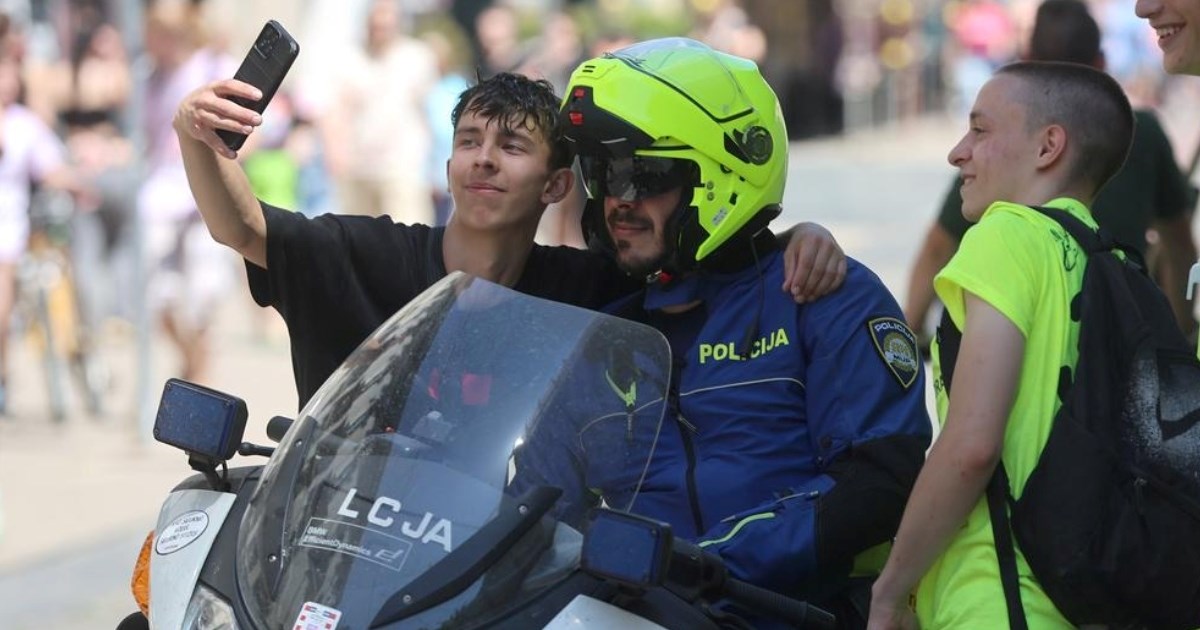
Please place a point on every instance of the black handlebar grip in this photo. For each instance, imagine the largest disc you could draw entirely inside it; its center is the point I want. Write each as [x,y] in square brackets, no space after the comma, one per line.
[277,427]
[795,612]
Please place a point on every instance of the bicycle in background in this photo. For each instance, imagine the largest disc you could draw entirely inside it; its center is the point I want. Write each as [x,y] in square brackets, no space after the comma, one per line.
[49,309]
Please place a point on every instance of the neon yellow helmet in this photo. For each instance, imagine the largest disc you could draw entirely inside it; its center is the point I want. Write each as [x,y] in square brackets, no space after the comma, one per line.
[678,99]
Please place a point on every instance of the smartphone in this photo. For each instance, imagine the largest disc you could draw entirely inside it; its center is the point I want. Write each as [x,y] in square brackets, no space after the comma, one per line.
[265,66]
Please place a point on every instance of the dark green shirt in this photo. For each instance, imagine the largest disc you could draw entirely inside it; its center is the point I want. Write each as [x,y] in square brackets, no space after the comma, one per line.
[1150,187]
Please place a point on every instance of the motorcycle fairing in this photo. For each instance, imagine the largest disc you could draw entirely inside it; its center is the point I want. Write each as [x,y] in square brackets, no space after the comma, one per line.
[175,567]
[586,612]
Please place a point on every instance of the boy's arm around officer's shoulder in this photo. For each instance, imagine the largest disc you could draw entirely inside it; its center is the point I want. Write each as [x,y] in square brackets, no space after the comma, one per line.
[230,210]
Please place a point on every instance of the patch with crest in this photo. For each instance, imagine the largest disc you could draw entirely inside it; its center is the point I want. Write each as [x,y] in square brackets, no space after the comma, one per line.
[897,346]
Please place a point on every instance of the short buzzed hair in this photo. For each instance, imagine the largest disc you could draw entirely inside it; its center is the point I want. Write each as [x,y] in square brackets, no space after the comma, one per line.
[513,100]
[1065,30]
[1088,104]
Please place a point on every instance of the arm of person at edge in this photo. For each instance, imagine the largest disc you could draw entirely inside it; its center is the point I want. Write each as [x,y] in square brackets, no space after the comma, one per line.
[937,250]
[814,265]
[960,463]
[223,195]
[1178,253]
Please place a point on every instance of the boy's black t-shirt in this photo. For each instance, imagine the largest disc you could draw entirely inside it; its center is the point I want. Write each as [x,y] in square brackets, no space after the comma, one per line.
[335,279]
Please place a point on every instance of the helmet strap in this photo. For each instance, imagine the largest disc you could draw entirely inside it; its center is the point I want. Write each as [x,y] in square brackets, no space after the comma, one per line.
[676,262]
[595,229]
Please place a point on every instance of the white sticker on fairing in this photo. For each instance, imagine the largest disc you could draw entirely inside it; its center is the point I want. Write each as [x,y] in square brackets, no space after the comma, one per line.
[314,616]
[181,532]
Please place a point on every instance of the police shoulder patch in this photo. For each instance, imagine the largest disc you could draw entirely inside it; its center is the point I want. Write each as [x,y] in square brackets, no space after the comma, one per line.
[897,346]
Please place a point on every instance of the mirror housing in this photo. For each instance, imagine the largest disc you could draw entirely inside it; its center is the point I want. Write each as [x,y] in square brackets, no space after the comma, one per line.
[205,423]
[627,549]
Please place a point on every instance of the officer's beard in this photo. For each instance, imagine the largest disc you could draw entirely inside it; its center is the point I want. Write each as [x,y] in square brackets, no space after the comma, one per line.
[637,265]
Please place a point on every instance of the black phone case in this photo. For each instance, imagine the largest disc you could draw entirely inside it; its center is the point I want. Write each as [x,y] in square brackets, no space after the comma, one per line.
[265,66]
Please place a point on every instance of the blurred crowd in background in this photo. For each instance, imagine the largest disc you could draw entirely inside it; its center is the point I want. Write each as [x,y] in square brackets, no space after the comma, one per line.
[363,122]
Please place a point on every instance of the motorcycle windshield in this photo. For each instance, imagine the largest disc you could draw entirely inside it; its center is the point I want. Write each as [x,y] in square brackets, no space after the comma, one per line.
[439,477]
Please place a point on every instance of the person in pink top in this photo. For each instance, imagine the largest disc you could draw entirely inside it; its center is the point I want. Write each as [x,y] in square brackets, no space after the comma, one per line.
[30,153]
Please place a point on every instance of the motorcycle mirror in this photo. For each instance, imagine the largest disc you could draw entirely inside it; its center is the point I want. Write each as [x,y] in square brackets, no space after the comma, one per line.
[205,423]
[628,549]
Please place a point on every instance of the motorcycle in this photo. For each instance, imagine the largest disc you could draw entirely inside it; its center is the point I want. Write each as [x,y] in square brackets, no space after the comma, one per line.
[440,479]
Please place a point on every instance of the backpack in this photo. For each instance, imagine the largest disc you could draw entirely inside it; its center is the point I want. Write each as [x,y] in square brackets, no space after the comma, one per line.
[1109,520]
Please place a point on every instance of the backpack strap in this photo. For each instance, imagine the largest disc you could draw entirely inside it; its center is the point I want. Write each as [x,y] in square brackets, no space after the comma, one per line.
[998,493]
[997,499]
[949,338]
[1092,241]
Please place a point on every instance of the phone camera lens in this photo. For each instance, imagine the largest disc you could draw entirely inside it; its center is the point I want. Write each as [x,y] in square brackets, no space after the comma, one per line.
[266,43]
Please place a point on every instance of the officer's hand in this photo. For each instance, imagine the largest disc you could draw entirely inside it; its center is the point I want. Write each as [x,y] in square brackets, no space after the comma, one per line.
[209,109]
[813,264]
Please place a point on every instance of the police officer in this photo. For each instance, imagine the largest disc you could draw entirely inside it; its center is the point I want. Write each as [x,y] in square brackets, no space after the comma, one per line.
[798,428]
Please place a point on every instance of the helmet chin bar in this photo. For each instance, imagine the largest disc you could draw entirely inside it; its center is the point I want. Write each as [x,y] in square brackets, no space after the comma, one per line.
[733,255]
[739,250]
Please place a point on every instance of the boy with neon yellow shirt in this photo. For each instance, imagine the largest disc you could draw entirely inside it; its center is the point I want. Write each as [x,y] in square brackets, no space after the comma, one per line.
[1044,134]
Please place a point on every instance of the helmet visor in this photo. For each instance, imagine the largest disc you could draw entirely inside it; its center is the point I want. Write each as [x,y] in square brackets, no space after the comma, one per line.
[631,179]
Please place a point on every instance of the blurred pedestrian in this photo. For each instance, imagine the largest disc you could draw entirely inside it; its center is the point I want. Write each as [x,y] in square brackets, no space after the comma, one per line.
[498,34]
[448,46]
[378,98]
[189,273]
[986,37]
[30,154]
[88,92]
[553,56]
[92,84]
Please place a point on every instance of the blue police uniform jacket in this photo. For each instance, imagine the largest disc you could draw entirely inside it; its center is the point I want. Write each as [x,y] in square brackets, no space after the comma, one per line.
[794,432]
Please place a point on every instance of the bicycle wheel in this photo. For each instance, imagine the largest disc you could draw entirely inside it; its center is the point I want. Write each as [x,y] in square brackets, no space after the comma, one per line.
[52,359]
[91,374]
[76,339]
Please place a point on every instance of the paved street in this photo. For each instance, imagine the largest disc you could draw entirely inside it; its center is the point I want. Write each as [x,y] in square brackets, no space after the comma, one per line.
[79,498]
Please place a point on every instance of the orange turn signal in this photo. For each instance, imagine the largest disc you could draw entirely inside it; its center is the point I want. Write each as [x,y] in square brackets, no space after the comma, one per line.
[140,583]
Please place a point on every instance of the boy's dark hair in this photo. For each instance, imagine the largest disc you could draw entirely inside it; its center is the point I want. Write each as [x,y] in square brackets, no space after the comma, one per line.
[1065,30]
[1088,104]
[514,100]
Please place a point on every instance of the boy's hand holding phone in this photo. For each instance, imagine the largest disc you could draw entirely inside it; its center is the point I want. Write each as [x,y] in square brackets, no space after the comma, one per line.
[210,109]
[223,113]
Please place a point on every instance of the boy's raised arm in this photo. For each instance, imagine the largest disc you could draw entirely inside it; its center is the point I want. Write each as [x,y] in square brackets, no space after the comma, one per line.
[223,195]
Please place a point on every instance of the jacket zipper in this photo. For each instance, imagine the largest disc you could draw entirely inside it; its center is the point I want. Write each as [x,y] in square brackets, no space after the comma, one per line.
[686,430]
